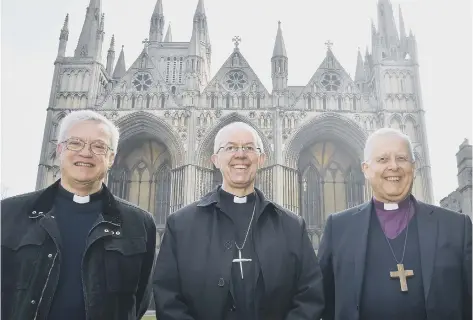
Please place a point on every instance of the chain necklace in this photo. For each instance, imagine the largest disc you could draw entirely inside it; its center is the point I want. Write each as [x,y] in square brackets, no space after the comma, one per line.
[248,230]
[405,240]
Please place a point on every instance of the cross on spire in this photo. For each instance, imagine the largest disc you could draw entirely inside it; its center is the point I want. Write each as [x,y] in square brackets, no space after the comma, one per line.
[236,40]
[146,42]
[329,44]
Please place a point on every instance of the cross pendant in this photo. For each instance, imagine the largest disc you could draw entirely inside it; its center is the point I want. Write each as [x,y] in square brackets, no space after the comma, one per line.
[240,260]
[402,275]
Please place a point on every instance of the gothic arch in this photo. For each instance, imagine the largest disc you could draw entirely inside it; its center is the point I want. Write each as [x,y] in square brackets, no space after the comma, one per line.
[142,122]
[326,126]
[206,147]
[395,119]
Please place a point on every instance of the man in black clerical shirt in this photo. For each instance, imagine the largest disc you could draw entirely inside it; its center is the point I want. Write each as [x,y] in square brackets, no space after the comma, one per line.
[396,257]
[73,250]
[235,254]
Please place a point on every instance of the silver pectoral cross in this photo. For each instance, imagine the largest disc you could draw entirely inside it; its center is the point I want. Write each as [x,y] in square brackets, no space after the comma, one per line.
[240,260]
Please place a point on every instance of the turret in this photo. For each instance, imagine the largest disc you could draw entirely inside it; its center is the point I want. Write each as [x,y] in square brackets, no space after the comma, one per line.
[111,56]
[63,37]
[279,62]
[156,28]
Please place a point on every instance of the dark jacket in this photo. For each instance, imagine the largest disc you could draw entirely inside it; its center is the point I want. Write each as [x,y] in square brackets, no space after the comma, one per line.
[445,254]
[193,268]
[116,266]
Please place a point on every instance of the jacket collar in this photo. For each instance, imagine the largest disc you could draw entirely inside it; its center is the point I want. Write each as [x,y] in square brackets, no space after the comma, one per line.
[45,202]
[212,198]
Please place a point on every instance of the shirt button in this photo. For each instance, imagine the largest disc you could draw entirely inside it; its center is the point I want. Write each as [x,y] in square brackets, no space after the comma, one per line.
[50,256]
[117,233]
[221,282]
[106,230]
[33,301]
[228,245]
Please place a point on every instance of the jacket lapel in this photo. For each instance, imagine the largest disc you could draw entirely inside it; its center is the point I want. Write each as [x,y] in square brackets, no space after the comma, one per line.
[360,228]
[427,225]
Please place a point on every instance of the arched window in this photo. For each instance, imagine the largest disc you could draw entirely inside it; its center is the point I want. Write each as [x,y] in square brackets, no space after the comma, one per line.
[328,181]
[163,194]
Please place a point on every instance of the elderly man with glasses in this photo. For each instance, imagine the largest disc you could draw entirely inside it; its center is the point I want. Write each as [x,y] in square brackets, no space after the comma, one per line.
[73,250]
[235,254]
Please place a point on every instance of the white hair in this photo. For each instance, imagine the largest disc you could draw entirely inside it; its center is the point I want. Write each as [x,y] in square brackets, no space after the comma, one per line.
[88,115]
[241,126]
[383,132]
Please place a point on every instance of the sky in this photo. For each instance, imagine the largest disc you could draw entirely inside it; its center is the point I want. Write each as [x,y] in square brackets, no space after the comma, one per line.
[29,42]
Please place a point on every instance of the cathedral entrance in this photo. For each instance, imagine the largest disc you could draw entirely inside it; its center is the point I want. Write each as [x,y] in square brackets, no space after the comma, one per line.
[142,175]
[330,180]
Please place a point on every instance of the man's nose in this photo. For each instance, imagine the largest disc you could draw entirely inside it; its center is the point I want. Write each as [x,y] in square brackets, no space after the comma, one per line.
[86,151]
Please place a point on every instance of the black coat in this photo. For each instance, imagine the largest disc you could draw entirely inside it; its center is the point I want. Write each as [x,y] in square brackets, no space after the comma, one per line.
[445,254]
[194,264]
[117,265]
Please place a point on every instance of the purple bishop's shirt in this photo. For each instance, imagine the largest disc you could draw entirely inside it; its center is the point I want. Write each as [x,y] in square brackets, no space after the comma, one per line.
[393,222]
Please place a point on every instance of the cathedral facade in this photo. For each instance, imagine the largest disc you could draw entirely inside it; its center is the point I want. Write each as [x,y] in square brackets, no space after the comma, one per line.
[169,108]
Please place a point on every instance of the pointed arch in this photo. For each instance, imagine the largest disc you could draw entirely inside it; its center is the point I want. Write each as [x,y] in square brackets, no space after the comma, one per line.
[395,121]
[149,124]
[327,125]
[205,149]
[410,128]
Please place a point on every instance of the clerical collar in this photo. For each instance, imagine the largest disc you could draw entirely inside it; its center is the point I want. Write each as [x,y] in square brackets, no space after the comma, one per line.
[404,204]
[229,198]
[79,199]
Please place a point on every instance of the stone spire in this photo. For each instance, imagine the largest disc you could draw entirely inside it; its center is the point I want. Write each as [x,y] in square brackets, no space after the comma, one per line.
[156,28]
[279,47]
[120,68]
[63,37]
[111,56]
[88,43]
[168,37]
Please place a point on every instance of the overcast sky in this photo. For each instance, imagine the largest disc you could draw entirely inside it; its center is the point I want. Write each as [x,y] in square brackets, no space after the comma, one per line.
[30,32]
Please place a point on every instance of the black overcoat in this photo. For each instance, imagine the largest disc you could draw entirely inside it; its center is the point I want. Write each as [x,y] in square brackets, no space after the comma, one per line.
[193,268]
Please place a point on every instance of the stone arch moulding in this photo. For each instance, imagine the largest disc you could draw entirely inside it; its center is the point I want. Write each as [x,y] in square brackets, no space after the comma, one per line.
[325,126]
[140,122]
[202,156]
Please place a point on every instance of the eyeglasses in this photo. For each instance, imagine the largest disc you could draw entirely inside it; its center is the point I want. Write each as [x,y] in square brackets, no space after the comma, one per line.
[245,149]
[76,144]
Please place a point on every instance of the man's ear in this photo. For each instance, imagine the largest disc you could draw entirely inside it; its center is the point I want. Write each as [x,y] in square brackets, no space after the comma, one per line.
[215,161]
[261,160]
[59,149]
[111,159]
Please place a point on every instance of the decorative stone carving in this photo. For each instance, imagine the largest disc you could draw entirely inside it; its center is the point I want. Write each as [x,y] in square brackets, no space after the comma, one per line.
[113,115]
[201,133]
[218,113]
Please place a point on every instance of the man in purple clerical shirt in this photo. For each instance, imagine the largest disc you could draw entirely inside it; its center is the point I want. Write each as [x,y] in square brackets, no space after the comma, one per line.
[396,257]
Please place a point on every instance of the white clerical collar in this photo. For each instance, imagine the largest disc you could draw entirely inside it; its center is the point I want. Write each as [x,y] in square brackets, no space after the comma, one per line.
[81,199]
[237,199]
[391,206]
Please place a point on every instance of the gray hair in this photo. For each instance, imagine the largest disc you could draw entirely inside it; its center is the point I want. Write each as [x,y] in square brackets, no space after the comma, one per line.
[237,125]
[88,115]
[383,132]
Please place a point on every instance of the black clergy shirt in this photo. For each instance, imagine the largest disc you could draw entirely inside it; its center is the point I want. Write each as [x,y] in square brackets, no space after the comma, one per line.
[74,221]
[243,290]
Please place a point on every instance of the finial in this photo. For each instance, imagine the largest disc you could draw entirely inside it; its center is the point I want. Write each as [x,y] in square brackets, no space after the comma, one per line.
[279,23]
[66,21]
[329,44]
[112,42]
[236,40]
[146,42]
